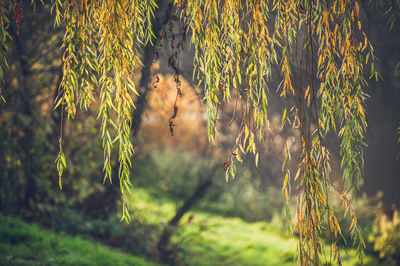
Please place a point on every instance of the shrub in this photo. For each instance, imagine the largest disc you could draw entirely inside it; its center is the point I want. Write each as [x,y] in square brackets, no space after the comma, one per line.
[386,238]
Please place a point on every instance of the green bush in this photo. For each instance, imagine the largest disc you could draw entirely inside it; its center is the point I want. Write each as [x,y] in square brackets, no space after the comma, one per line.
[175,175]
[386,238]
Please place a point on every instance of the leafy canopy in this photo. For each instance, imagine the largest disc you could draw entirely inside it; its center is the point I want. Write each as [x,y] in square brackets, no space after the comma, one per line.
[318,45]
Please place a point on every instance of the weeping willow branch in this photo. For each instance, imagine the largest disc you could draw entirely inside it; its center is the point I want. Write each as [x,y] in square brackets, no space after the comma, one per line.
[102,46]
[237,43]
[318,45]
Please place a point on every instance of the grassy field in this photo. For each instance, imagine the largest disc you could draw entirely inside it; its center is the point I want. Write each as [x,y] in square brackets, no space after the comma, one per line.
[25,244]
[210,239]
[204,239]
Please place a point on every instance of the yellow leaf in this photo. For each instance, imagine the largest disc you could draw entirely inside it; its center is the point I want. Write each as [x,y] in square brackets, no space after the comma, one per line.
[332,119]
[321,125]
[59,182]
[357,9]
[257,157]
[365,43]
[353,221]
[342,6]
[360,109]
[307,91]
[283,118]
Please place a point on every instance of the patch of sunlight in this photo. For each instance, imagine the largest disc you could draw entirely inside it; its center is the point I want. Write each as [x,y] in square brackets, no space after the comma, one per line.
[210,239]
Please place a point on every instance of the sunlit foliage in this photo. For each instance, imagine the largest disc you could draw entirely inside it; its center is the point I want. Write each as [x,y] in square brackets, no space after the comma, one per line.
[321,52]
[102,46]
[386,238]
[318,46]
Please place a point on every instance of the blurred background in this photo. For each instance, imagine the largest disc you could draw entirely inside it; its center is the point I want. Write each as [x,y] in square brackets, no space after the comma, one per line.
[183,211]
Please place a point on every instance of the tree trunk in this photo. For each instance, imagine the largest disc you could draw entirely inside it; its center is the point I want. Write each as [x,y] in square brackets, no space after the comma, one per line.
[164,242]
[26,142]
[163,14]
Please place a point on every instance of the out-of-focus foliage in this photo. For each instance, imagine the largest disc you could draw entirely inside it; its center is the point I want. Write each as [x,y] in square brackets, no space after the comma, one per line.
[386,238]
[161,173]
[30,129]
[26,129]
[393,10]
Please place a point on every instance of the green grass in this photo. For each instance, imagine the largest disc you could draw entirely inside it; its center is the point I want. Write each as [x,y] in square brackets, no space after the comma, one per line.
[216,240]
[25,244]
[209,239]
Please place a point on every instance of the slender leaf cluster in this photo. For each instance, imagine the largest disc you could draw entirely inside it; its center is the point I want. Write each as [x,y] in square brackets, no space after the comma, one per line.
[321,50]
[6,8]
[102,46]
[232,58]
[318,47]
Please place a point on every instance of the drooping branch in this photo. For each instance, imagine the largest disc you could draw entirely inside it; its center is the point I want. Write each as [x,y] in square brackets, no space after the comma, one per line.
[325,42]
